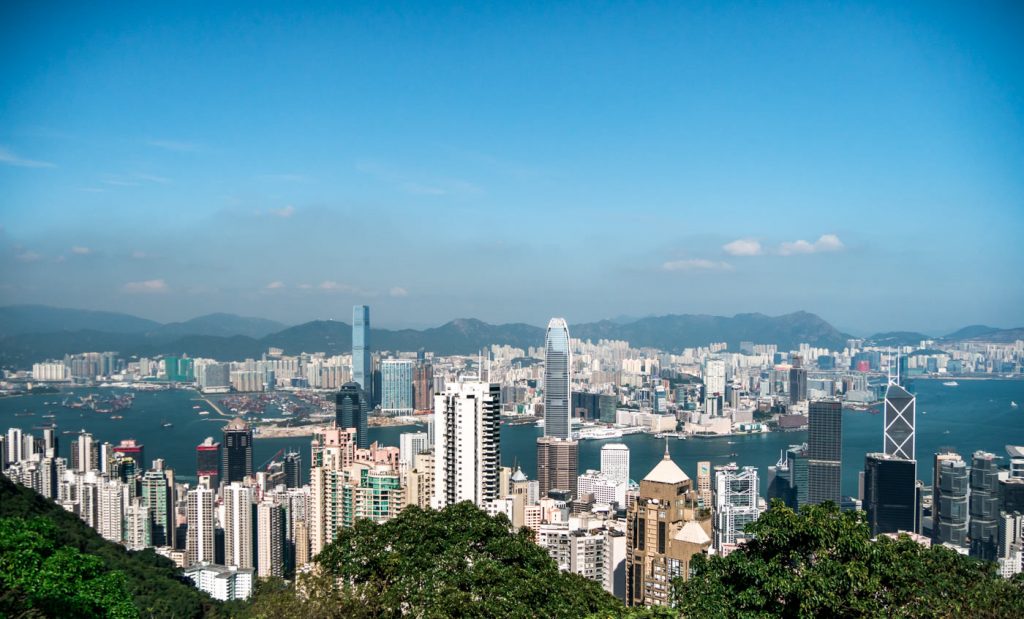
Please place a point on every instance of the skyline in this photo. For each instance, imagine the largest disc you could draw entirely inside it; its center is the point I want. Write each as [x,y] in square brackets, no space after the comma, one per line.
[860,163]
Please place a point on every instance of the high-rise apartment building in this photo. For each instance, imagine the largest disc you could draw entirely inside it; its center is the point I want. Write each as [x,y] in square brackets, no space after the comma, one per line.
[467,443]
[237,451]
[238,525]
[350,411]
[110,509]
[137,526]
[361,367]
[410,444]
[333,451]
[714,377]
[396,386]
[557,380]
[825,445]
[157,497]
[890,493]
[662,534]
[199,545]
[423,386]
[270,527]
[615,465]
[736,504]
[557,465]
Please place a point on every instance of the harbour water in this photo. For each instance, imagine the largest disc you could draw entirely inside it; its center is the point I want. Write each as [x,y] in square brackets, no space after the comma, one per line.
[975,415]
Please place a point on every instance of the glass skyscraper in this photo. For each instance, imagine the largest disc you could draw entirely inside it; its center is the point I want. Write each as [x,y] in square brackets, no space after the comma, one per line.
[361,367]
[890,493]
[236,451]
[824,451]
[396,386]
[898,431]
[557,380]
[350,408]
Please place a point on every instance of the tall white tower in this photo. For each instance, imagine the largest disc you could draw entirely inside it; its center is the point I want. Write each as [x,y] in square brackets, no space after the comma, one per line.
[238,525]
[467,443]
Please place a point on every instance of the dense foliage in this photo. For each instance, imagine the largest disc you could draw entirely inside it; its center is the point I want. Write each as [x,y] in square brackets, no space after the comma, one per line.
[821,562]
[39,578]
[457,562]
[46,534]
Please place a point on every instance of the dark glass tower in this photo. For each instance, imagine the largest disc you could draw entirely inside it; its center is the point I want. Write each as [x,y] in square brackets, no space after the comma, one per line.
[824,451]
[797,385]
[890,493]
[236,451]
[951,500]
[293,469]
[984,505]
[350,411]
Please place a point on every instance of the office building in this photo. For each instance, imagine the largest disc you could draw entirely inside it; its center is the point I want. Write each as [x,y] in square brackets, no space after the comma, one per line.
[952,484]
[824,445]
[736,504]
[797,384]
[350,411]
[984,505]
[238,525]
[557,380]
[396,386]
[293,469]
[237,451]
[199,546]
[224,583]
[704,482]
[467,443]
[361,366]
[615,465]
[662,534]
[898,432]
[208,460]
[410,444]
[890,493]
[557,465]
[423,386]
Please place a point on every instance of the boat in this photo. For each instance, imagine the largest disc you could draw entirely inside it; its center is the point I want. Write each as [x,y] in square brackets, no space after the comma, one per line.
[195,408]
[25,414]
[116,417]
[1013,404]
[166,424]
[924,412]
[950,383]
[204,412]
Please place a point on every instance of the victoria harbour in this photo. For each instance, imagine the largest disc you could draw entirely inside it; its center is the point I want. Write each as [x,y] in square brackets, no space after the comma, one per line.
[976,415]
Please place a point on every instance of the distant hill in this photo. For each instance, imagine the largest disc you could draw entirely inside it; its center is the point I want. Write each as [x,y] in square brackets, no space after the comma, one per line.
[972,331]
[221,325]
[21,319]
[898,338]
[462,336]
[983,333]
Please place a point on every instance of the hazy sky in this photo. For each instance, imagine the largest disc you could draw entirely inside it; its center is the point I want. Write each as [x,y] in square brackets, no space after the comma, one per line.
[864,162]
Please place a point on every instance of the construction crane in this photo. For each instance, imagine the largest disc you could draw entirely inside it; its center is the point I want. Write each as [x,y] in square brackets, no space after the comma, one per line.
[266,465]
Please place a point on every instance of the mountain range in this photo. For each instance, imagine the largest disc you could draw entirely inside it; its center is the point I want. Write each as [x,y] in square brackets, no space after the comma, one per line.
[30,333]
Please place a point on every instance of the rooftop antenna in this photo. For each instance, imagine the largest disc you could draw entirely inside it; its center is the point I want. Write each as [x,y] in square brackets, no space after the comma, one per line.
[667,456]
[897,367]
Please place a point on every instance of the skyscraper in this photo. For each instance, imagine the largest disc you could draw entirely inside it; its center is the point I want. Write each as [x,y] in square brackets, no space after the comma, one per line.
[293,469]
[350,412]
[736,504]
[704,482]
[134,450]
[423,386]
[825,446]
[557,464]
[199,546]
[797,384]
[467,443]
[950,506]
[615,465]
[984,505]
[898,432]
[890,493]
[557,380]
[238,525]
[237,451]
[361,368]
[396,386]
[662,534]
[270,539]
[157,496]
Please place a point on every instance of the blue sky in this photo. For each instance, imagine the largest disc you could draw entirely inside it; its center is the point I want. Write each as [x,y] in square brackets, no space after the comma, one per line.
[860,161]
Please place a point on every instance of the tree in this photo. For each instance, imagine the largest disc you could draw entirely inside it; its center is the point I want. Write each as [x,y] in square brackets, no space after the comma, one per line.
[822,562]
[457,562]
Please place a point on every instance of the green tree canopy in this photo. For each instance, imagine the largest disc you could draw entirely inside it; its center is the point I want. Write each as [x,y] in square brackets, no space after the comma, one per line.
[821,562]
[457,562]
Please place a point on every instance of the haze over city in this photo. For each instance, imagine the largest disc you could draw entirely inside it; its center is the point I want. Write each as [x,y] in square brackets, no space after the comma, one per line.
[860,162]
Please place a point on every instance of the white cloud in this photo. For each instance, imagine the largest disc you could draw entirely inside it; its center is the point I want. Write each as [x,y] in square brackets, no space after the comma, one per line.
[78,250]
[275,285]
[305,286]
[398,292]
[149,286]
[743,247]
[27,256]
[10,158]
[284,212]
[139,255]
[336,287]
[825,243]
[696,264]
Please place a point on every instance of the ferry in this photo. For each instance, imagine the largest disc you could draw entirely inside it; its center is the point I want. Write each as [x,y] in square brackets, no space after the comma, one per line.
[204,412]
[116,417]
[598,433]
[1013,404]
[166,424]
[950,383]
